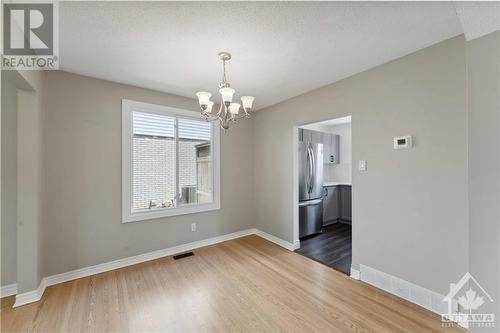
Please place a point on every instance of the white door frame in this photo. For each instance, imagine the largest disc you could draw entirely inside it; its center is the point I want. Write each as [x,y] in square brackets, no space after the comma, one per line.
[295,184]
[295,177]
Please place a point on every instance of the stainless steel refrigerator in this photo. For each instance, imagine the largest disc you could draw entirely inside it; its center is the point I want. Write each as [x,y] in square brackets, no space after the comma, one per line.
[310,188]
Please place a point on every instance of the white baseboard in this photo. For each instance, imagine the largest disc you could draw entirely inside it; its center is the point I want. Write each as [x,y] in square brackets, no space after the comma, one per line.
[296,244]
[109,266]
[411,292]
[30,296]
[355,274]
[8,290]
[35,295]
[283,243]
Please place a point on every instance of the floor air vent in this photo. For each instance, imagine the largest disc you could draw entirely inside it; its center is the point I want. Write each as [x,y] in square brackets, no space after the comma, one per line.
[183,255]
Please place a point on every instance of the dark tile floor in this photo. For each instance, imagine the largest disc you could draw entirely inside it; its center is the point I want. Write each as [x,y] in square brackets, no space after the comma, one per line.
[333,247]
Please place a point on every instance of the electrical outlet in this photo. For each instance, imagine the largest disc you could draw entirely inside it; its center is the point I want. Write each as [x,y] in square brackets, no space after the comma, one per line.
[193,227]
[362,165]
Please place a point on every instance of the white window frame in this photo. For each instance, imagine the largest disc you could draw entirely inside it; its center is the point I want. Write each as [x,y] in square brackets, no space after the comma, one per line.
[128,107]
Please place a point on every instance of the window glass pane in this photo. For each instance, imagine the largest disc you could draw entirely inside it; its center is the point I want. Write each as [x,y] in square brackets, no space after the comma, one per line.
[153,159]
[195,161]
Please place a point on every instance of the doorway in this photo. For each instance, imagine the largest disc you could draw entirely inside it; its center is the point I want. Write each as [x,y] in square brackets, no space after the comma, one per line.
[323,192]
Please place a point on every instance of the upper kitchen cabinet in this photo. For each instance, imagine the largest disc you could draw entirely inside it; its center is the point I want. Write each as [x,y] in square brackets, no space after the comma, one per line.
[331,148]
[306,135]
[330,143]
[317,137]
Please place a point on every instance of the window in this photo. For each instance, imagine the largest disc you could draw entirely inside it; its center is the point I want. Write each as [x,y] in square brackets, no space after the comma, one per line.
[170,162]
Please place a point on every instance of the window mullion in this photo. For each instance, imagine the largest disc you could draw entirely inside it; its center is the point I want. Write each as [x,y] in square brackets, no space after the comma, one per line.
[176,135]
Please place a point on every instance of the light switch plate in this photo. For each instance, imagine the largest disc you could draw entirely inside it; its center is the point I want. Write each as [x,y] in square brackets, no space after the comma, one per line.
[362,165]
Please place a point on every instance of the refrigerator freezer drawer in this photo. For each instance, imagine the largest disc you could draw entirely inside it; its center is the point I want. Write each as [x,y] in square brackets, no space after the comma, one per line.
[310,217]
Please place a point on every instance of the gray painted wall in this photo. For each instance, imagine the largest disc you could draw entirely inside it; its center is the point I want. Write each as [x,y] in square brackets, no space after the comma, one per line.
[30,98]
[483,74]
[82,178]
[23,147]
[9,180]
[410,207]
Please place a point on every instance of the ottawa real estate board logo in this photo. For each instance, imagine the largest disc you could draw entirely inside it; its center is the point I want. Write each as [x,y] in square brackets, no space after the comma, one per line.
[30,39]
[466,300]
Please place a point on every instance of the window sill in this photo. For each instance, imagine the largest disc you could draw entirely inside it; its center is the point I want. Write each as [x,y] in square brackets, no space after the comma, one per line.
[169,212]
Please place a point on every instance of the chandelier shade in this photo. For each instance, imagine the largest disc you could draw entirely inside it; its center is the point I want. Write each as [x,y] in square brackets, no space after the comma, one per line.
[247,101]
[203,97]
[228,111]
[209,106]
[234,108]
[227,94]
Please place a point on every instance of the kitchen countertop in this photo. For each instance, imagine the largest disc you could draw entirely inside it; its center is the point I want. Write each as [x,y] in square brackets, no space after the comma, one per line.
[336,183]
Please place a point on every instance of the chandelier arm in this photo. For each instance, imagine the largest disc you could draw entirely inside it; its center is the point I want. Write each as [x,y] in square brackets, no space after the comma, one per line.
[245,115]
[223,124]
[212,116]
[226,114]
[220,108]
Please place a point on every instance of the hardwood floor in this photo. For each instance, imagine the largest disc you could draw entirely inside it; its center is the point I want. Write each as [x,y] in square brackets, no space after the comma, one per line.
[333,247]
[247,284]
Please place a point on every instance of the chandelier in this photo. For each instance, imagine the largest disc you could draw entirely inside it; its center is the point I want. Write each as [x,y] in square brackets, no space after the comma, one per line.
[228,111]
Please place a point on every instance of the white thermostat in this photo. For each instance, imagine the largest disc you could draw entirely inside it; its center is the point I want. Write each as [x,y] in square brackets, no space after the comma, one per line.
[403,142]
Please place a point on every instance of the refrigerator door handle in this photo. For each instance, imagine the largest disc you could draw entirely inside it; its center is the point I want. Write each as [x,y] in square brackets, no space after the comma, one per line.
[311,165]
[310,202]
[313,168]
[309,170]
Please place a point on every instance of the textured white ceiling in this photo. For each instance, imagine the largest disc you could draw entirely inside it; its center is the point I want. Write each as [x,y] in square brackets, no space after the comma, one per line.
[280,49]
[478,18]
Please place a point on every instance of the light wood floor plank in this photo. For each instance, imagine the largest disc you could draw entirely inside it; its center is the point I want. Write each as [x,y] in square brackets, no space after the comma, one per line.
[244,285]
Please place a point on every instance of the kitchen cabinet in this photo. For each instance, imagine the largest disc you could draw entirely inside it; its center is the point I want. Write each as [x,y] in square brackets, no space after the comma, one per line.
[306,135]
[316,137]
[346,203]
[331,204]
[331,148]
[330,144]
[337,204]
